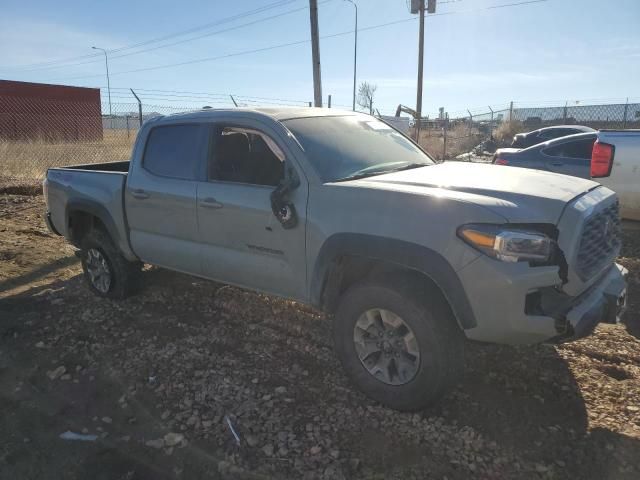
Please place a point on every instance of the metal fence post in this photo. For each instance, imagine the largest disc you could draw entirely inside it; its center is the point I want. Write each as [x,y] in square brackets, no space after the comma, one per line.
[564,114]
[491,124]
[128,133]
[329,101]
[511,112]
[444,143]
[626,108]
[470,122]
[139,107]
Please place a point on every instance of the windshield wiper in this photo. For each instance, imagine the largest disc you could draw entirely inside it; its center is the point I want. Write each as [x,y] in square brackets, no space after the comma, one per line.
[356,176]
[409,166]
[371,173]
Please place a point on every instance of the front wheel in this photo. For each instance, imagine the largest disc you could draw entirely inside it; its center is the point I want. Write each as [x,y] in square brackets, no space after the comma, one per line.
[399,349]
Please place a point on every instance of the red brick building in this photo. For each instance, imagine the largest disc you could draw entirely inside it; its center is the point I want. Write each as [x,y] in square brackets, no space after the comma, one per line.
[54,113]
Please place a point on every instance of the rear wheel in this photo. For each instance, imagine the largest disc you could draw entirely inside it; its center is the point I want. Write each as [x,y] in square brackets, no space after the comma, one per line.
[401,350]
[107,272]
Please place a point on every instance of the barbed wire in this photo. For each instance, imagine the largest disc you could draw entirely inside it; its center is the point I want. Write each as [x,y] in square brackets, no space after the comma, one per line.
[36,134]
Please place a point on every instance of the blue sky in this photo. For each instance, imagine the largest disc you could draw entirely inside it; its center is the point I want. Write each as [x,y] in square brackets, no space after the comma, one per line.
[549,52]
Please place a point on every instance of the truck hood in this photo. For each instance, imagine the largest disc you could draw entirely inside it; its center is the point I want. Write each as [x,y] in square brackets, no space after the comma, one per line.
[519,195]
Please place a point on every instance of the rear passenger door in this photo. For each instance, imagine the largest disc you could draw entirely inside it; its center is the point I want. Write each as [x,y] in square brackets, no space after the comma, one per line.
[571,157]
[160,198]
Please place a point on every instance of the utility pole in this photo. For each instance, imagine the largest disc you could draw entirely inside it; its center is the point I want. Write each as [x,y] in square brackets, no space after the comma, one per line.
[417,6]
[106,63]
[355,54]
[420,68]
[315,52]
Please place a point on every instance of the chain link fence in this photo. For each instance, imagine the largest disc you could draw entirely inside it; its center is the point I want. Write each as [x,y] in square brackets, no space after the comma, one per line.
[465,135]
[37,134]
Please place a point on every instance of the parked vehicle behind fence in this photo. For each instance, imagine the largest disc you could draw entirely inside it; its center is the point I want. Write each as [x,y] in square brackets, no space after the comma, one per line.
[529,139]
[611,157]
[341,211]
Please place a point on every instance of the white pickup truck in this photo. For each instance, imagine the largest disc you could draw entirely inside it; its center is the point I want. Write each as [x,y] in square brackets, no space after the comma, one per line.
[611,157]
[618,151]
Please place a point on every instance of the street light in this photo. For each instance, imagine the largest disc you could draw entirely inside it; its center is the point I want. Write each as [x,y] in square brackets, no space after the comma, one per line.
[355,54]
[106,62]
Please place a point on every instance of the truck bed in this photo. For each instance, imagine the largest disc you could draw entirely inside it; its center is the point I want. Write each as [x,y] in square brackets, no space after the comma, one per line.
[96,188]
[122,167]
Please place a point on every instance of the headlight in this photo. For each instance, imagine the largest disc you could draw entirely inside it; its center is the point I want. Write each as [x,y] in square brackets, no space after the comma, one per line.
[507,244]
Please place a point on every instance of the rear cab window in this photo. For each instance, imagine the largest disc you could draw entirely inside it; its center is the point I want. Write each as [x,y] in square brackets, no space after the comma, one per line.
[175,151]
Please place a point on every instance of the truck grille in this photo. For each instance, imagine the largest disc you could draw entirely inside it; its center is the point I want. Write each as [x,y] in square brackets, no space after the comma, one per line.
[600,241]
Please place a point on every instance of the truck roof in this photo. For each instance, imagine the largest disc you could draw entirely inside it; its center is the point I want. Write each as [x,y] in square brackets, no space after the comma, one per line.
[277,113]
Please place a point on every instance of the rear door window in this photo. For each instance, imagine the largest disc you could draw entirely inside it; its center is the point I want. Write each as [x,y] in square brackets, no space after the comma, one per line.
[175,151]
[577,149]
[548,134]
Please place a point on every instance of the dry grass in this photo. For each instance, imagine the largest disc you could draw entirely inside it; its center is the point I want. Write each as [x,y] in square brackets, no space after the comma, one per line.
[506,130]
[459,140]
[30,160]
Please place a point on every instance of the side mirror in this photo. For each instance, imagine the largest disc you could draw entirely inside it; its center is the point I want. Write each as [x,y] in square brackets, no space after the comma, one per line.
[282,208]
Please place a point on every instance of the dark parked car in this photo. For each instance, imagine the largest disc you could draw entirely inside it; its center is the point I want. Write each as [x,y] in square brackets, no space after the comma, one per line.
[529,139]
[569,155]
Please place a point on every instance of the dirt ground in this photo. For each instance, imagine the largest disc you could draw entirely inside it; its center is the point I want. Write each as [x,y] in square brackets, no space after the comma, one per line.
[156,377]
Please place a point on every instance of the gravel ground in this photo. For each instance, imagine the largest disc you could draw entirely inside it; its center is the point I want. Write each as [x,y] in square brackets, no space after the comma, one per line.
[158,378]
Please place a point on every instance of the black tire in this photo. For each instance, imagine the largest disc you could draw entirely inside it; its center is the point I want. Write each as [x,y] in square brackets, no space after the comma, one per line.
[440,343]
[123,274]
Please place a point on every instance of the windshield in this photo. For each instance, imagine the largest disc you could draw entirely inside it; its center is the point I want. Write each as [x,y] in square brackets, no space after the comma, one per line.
[354,146]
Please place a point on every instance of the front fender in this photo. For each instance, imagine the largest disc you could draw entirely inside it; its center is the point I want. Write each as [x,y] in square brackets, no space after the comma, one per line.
[405,254]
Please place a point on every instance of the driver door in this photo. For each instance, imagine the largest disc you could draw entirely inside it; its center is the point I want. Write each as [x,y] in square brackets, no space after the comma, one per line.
[243,243]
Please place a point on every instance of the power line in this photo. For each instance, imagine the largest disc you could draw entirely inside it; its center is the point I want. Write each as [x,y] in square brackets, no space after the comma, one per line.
[300,42]
[208,34]
[165,37]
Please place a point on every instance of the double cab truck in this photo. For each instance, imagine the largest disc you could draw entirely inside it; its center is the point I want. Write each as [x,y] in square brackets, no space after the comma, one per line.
[339,210]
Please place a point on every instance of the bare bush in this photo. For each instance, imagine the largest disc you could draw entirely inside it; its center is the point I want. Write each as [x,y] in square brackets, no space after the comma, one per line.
[459,140]
[506,130]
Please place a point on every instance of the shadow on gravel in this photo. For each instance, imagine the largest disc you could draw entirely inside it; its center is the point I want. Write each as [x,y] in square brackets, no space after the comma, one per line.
[631,318]
[38,273]
[527,397]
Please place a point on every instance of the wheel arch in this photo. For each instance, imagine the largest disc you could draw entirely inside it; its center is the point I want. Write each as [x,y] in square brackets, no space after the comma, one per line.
[346,258]
[83,215]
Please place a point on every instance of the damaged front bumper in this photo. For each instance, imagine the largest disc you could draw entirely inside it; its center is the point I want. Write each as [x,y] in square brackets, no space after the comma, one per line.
[605,303]
[502,306]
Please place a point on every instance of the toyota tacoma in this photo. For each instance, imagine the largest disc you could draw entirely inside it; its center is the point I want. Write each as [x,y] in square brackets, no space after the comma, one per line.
[339,210]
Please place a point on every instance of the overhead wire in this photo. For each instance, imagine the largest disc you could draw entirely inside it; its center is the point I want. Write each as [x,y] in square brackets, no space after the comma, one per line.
[300,42]
[36,66]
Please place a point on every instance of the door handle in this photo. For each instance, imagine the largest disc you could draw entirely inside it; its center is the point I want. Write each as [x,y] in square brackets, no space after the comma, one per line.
[210,203]
[139,194]
[557,164]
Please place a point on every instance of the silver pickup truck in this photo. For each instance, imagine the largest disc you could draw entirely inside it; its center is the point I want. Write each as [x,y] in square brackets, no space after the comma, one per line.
[341,211]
